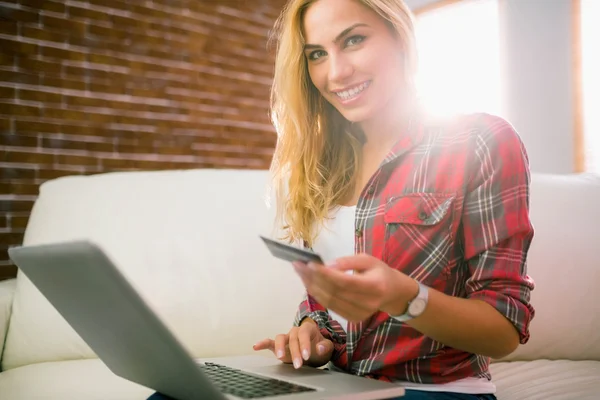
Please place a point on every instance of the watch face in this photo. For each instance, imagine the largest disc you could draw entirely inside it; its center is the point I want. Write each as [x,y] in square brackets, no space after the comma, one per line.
[417,307]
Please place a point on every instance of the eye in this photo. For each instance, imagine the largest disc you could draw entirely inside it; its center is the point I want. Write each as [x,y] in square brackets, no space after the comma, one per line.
[315,55]
[354,40]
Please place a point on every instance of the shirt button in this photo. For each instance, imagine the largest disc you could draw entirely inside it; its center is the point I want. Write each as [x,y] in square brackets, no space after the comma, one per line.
[371,191]
[358,232]
[423,215]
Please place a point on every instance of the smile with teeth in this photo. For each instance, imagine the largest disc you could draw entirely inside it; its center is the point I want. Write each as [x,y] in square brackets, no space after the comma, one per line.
[352,93]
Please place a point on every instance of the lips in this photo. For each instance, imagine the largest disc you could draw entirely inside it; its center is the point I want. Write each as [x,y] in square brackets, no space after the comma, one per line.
[352,92]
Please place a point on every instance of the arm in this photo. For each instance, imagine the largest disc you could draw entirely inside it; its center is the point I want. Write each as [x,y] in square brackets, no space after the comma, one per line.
[311,311]
[496,237]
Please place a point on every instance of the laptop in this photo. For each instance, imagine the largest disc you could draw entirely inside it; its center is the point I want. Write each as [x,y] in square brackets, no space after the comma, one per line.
[87,289]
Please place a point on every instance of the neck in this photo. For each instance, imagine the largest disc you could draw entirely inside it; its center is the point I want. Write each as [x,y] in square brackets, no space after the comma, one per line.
[388,126]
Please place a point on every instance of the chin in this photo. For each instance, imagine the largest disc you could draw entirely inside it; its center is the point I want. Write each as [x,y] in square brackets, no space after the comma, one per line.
[357,115]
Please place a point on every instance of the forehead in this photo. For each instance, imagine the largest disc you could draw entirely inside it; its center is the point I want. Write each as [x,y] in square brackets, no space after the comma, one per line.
[325,19]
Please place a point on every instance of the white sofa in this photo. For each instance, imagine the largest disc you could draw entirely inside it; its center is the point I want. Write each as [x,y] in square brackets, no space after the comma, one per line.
[188,241]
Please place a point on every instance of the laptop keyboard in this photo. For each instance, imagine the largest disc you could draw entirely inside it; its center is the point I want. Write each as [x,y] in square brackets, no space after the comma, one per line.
[247,386]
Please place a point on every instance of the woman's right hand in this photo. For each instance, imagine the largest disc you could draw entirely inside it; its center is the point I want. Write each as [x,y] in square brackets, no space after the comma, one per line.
[303,344]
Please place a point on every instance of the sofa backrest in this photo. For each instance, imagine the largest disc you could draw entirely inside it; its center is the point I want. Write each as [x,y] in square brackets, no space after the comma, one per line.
[187,240]
[564,262]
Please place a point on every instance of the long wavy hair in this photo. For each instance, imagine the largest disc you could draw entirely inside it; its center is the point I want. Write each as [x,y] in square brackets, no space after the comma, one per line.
[318,151]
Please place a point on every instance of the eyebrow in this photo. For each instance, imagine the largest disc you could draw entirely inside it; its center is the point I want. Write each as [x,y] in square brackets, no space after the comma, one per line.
[346,31]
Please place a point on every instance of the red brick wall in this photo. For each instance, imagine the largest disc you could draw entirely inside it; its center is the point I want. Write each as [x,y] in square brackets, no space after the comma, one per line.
[103,85]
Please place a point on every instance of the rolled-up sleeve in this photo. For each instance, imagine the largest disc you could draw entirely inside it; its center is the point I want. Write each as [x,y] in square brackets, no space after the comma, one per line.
[496,226]
[310,308]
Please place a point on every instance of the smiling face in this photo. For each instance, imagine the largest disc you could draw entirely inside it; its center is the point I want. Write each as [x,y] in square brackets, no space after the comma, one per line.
[354,59]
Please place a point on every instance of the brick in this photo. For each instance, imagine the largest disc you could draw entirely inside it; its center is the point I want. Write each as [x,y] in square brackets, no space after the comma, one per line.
[52,68]
[15,205]
[23,76]
[112,163]
[87,102]
[106,88]
[7,139]
[86,13]
[107,59]
[9,27]
[23,157]
[62,54]
[17,47]
[20,15]
[46,5]
[9,239]
[5,125]
[110,32]
[47,173]
[76,160]
[64,24]
[12,187]
[22,126]
[18,110]
[116,4]
[7,271]
[46,34]
[17,173]
[63,83]
[37,95]
[69,114]
[7,93]
[7,60]
[20,222]
[52,143]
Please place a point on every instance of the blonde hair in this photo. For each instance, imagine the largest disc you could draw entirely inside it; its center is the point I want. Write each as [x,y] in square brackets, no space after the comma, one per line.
[317,156]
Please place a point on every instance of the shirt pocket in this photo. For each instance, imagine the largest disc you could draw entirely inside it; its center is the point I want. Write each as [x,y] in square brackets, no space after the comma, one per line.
[419,235]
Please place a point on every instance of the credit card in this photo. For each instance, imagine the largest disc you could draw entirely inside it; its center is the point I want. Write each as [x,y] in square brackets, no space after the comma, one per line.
[291,253]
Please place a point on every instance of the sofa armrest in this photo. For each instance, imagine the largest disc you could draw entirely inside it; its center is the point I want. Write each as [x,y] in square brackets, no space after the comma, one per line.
[7,290]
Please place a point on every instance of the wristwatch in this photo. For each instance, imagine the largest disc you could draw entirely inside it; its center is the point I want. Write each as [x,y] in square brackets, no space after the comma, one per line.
[416,306]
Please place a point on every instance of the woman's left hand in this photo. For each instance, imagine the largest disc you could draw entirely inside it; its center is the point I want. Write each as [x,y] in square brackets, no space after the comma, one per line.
[373,286]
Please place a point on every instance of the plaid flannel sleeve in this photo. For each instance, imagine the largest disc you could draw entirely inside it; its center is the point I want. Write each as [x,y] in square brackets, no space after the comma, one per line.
[496,226]
[312,309]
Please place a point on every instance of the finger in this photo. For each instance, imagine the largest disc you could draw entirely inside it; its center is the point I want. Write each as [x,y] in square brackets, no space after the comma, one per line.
[347,308]
[332,284]
[280,350]
[265,344]
[324,348]
[306,334]
[358,262]
[294,346]
[316,275]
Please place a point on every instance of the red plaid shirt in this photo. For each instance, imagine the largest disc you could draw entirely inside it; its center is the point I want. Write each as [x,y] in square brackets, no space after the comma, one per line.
[448,207]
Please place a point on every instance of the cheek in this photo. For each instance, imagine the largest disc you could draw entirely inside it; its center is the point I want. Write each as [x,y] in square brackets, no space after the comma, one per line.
[318,79]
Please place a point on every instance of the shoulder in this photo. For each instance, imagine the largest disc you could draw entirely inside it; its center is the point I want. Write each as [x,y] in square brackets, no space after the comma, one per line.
[472,133]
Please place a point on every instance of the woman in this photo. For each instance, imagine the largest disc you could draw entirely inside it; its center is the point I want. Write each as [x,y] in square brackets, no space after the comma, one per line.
[425,221]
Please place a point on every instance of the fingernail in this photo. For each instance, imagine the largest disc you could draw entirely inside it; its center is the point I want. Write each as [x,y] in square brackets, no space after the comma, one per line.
[279,353]
[320,349]
[305,354]
[297,363]
[331,263]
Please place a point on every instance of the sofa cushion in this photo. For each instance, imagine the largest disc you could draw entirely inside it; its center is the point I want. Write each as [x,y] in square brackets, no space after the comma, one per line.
[563,261]
[547,380]
[7,290]
[92,380]
[187,240]
[68,380]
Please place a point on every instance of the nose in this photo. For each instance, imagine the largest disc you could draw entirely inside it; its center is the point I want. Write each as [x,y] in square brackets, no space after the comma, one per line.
[340,68]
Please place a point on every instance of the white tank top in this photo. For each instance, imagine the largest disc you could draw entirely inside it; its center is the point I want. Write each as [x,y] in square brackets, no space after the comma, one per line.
[336,239]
